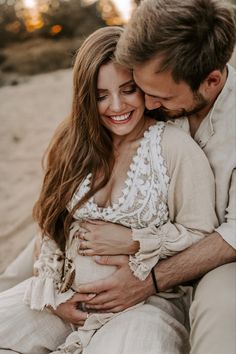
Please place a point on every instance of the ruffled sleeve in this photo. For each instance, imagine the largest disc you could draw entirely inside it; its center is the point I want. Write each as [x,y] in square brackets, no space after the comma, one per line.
[191,204]
[44,289]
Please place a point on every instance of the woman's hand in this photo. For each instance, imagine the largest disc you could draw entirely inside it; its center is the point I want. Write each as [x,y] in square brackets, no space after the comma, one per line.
[69,310]
[106,238]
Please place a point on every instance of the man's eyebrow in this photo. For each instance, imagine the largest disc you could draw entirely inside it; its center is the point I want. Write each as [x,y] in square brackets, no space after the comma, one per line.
[122,85]
[159,97]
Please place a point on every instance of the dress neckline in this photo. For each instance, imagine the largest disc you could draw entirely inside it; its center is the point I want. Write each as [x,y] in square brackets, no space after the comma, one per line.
[128,180]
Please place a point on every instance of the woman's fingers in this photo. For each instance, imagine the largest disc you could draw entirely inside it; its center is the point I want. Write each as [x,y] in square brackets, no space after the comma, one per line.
[84,245]
[85,249]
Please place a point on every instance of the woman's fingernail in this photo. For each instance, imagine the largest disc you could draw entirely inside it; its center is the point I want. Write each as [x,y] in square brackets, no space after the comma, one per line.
[91,296]
[97,258]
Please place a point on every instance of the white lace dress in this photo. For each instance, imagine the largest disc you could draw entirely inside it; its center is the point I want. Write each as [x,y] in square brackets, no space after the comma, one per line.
[156,326]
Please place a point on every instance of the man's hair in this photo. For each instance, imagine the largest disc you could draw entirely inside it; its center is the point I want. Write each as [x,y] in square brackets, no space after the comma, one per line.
[191,37]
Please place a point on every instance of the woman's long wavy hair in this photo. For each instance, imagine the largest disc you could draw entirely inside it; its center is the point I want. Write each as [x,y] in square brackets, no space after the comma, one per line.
[81,144]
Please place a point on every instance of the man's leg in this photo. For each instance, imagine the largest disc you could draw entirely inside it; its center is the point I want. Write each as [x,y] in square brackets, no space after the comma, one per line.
[20,269]
[213,312]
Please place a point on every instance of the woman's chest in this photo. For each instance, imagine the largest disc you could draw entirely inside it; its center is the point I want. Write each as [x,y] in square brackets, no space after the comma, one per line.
[113,190]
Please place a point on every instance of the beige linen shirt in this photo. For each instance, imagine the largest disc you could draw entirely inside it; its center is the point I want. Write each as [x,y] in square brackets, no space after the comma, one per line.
[217,137]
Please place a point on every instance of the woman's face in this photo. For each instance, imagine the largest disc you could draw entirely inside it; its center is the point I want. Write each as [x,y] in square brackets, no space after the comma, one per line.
[120,101]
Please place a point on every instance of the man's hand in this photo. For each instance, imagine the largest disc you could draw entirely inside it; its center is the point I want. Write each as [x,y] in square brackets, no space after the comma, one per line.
[68,311]
[119,291]
[106,238]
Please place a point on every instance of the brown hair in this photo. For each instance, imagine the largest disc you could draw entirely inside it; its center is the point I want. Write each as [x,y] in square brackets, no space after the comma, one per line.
[81,145]
[192,37]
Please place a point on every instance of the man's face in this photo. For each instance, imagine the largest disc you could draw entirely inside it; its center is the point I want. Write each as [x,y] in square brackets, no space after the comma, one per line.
[162,92]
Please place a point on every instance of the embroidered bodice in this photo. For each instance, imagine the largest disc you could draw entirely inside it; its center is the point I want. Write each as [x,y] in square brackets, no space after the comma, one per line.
[143,199]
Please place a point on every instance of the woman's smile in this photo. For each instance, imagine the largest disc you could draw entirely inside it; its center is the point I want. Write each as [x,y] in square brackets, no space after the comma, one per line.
[121,119]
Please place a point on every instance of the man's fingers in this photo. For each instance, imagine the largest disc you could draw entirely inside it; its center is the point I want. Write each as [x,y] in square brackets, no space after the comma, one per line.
[110,306]
[83,297]
[101,307]
[93,288]
[101,298]
[111,260]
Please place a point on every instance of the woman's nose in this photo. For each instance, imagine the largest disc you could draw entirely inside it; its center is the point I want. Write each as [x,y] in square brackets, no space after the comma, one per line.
[116,104]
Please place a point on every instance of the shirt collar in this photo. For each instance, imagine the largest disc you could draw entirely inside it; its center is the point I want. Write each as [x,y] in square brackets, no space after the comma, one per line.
[206,128]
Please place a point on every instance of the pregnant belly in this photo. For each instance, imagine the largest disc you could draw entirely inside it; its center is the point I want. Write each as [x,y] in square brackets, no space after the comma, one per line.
[87,270]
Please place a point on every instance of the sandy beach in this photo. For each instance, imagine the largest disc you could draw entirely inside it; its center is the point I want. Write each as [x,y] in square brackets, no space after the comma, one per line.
[29,113]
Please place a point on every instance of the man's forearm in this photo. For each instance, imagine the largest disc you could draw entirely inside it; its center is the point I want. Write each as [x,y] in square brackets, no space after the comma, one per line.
[194,262]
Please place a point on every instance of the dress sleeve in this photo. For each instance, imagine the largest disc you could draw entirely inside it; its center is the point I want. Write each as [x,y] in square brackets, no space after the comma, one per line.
[191,204]
[44,289]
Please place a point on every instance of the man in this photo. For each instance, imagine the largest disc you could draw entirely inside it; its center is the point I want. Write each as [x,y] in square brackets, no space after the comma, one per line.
[178,50]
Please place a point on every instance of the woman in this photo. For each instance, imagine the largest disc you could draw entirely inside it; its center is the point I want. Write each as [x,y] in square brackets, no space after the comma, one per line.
[109,161]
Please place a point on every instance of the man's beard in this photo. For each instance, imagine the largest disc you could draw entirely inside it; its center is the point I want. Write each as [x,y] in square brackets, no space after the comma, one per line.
[201,103]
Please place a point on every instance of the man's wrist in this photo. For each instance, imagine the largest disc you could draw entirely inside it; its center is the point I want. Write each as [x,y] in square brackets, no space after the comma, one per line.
[154,280]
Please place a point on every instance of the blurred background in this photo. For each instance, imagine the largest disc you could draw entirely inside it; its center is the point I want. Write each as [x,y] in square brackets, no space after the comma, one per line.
[38,41]
[42,35]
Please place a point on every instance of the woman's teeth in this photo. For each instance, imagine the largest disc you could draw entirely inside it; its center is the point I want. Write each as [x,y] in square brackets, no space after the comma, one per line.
[121,117]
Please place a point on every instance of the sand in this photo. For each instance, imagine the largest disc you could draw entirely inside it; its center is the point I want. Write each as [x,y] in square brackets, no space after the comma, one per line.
[29,113]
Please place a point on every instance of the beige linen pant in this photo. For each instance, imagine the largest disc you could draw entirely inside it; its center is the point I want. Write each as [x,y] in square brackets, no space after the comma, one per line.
[19,270]
[213,313]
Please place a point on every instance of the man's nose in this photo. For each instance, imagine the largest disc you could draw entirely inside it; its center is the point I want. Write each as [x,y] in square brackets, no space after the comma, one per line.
[152,103]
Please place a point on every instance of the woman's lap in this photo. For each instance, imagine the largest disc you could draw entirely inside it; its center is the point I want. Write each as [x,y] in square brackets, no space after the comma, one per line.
[155,327]
[25,330]
[145,329]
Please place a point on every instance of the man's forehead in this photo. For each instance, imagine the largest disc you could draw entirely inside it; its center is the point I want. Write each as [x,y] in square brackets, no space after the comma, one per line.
[152,65]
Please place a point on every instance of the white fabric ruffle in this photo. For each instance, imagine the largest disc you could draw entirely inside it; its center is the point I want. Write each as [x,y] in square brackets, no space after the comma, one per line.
[157,243]
[41,292]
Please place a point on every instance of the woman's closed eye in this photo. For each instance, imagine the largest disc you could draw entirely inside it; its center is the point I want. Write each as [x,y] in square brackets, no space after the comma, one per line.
[130,89]
[101,98]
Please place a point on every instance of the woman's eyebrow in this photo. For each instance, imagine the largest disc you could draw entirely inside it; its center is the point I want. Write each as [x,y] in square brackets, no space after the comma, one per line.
[124,84]
[127,83]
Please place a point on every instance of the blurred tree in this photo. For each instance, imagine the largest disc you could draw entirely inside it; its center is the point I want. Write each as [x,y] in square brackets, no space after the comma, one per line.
[59,19]
[11,26]
[74,19]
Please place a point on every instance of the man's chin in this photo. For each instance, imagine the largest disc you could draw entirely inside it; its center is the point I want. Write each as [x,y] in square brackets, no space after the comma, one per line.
[172,114]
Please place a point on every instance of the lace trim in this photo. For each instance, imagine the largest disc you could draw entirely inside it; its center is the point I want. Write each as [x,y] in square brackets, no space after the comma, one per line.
[143,199]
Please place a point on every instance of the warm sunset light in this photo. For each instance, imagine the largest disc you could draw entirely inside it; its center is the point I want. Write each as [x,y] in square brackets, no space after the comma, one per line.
[32,16]
[30,4]
[125,8]
[55,29]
